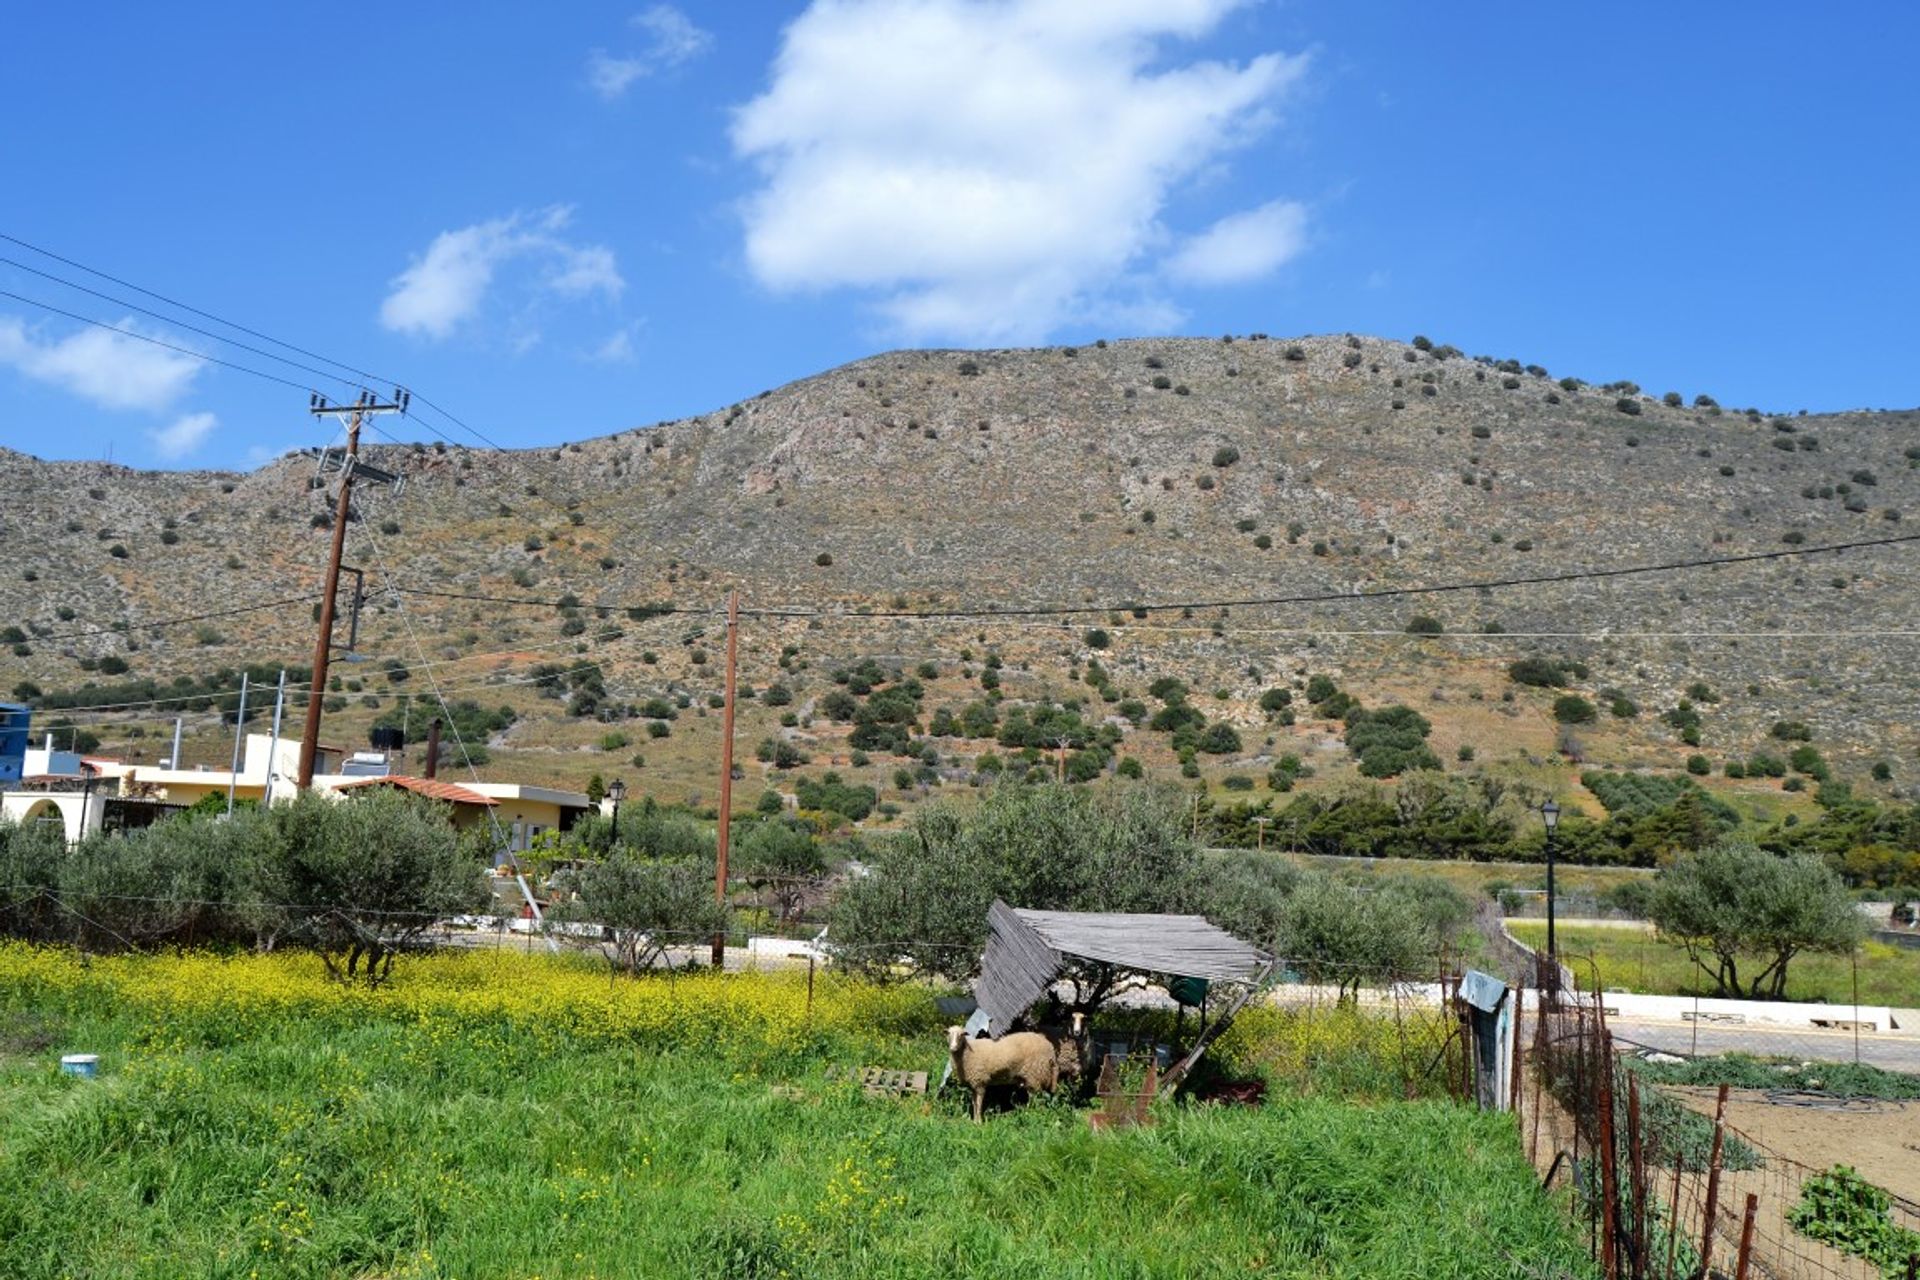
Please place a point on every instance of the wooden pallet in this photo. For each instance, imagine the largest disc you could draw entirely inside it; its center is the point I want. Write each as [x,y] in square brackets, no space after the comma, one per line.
[882,1082]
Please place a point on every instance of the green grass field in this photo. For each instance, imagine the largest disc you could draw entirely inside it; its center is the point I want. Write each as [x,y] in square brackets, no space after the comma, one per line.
[1474,877]
[495,1116]
[1636,960]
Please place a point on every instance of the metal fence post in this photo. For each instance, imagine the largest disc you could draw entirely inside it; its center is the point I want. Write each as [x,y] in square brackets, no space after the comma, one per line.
[1746,1238]
[1609,1169]
[1637,1160]
[1713,1181]
[1673,1216]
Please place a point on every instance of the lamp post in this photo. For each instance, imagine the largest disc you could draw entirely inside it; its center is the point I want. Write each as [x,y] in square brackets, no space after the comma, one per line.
[616,792]
[1550,814]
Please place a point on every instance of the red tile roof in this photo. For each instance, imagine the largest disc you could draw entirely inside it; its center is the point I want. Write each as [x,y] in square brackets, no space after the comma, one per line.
[431,788]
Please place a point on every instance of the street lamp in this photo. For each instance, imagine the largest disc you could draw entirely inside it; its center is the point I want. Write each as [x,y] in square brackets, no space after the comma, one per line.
[616,792]
[1550,814]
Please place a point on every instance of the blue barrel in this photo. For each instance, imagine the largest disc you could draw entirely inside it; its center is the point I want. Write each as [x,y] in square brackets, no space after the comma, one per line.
[84,1065]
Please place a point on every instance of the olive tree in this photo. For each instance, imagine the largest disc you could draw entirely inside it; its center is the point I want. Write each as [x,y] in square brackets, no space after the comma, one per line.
[644,904]
[1733,903]
[1346,934]
[781,858]
[924,897]
[363,877]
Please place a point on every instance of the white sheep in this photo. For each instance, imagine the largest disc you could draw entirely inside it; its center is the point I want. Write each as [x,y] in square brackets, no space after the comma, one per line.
[1021,1057]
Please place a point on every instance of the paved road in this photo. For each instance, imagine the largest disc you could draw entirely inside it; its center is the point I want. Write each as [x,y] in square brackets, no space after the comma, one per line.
[1898,1051]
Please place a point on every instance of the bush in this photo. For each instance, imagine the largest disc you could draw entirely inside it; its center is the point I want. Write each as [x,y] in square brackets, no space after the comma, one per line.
[1628,405]
[1097,638]
[1699,766]
[1390,741]
[1219,739]
[832,795]
[1540,673]
[824,559]
[1571,708]
[1424,625]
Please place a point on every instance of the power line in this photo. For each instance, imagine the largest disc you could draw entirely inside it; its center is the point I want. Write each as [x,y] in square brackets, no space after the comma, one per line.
[170,346]
[180,621]
[174,302]
[447,414]
[180,324]
[1324,597]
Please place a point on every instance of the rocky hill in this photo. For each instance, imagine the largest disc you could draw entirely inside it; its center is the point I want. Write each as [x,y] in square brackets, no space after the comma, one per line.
[1143,480]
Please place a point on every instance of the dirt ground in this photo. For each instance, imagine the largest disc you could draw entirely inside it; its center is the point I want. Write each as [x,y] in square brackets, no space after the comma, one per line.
[1879,1139]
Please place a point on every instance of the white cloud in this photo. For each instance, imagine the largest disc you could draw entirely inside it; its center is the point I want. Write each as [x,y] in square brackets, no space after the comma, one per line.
[987,170]
[446,285]
[591,269]
[110,369]
[1242,246]
[617,349]
[186,434]
[672,39]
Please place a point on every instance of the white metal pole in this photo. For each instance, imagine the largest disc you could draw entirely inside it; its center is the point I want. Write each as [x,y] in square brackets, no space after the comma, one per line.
[239,728]
[273,750]
[179,723]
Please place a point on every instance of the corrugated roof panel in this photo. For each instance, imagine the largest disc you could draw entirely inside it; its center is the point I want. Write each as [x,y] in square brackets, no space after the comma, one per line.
[1025,951]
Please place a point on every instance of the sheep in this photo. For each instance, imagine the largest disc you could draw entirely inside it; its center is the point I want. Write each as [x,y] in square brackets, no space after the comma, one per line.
[1070,1047]
[1021,1057]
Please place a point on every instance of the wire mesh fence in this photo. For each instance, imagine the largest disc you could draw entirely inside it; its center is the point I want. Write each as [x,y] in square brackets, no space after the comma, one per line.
[1665,1184]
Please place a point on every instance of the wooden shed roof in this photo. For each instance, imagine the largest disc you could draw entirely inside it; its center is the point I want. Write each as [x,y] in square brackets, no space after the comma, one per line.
[1026,949]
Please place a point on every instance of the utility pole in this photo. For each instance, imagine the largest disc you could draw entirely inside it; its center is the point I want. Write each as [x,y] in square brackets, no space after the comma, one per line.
[361,409]
[1260,834]
[726,774]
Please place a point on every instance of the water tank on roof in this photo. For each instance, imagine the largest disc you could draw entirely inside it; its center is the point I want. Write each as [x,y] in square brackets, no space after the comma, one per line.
[14,721]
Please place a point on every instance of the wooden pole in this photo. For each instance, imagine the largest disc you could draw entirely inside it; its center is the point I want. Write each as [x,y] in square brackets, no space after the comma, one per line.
[1745,1256]
[323,644]
[726,774]
[1713,1181]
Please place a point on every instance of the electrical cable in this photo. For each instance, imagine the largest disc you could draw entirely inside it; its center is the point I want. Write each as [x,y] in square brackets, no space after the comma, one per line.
[1325,597]
[158,342]
[181,621]
[181,324]
[174,302]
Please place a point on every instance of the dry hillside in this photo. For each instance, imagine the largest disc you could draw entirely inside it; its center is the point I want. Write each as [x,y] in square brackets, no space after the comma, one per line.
[1161,473]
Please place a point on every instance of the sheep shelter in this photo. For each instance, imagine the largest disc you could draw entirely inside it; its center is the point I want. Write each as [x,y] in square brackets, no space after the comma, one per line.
[1027,951]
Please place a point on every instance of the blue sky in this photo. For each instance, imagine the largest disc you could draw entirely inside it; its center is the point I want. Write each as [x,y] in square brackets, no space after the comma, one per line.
[565,220]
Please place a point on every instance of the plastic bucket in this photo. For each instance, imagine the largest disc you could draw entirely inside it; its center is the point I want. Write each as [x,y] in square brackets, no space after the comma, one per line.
[84,1065]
